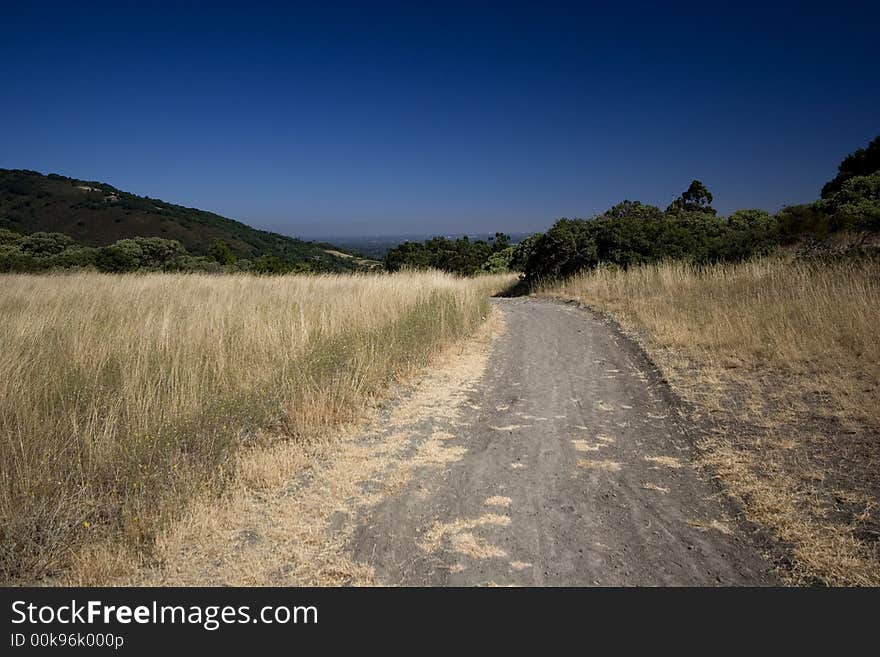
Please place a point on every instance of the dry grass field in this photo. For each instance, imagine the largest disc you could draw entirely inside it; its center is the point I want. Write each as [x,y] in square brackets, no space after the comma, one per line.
[782,360]
[121,397]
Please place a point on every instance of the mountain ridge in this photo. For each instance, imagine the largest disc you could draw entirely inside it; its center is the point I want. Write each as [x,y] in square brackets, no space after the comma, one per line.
[98,214]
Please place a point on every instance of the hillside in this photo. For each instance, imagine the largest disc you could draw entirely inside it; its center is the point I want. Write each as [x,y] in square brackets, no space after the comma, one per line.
[97,214]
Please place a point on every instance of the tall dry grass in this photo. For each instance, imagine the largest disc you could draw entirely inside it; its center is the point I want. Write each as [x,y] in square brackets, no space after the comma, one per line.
[785,357]
[121,396]
[800,319]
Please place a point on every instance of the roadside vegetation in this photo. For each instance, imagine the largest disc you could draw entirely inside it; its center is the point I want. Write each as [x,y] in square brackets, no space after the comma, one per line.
[768,327]
[121,397]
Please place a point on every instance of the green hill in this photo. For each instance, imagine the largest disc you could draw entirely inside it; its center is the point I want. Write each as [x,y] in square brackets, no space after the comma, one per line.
[97,214]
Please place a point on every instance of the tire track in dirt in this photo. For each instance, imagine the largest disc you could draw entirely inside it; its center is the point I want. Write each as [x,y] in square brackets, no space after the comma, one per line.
[572,468]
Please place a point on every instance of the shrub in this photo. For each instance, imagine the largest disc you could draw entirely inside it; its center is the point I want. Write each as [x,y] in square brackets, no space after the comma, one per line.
[45,244]
[462,256]
[797,221]
[221,252]
[857,205]
[499,262]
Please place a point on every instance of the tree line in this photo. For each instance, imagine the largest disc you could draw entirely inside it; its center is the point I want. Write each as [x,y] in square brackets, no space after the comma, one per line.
[462,256]
[630,233]
[633,233]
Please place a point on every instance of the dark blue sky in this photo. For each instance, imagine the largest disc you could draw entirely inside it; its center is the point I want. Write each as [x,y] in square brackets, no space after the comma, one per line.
[320,119]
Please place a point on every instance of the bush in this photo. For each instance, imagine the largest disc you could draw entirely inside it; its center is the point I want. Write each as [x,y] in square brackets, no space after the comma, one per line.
[13,260]
[462,256]
[147,253]
[221,252]
[119,257]
[77,257]
[269,264]
[749,233]
[499,262]
[158,253]
[243,265]
[857,205]
[10,237]
[45,244]
[798,221]
[522,252]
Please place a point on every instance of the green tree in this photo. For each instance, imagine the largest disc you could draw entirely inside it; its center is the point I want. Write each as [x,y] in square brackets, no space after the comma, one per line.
[122,256]
[500,241]
[862,162]
[499,261]
[221,252]
[158,253]
[697,198]
[270,264]
[522,252]
[568,247]
[857,205]
[749,233]
[793,222]
[633,210]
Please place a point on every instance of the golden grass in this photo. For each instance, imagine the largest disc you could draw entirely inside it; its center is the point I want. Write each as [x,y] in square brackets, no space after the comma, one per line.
[785,358]
[665,461]
[122,396]
[298,529]
[458,533]
[814,322]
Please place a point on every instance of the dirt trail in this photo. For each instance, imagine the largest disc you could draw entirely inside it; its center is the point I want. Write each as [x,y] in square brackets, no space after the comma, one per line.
[544,452]
[574,471]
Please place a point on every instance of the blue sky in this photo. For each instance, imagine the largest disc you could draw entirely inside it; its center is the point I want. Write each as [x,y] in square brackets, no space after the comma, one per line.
[325,118]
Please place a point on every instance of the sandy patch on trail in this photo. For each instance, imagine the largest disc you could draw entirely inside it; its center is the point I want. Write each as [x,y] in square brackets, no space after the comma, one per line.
[610,466]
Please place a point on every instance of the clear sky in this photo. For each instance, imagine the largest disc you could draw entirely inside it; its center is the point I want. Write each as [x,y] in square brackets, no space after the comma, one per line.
[435,117]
